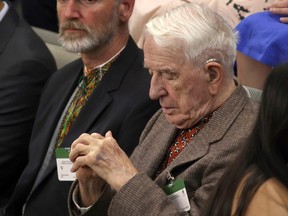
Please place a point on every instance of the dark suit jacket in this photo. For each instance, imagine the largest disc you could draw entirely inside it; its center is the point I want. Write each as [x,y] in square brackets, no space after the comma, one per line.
[200,164]
[25,65]
[120,103]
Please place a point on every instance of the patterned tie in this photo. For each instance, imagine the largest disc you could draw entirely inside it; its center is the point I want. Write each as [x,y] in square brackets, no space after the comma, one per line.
[183,138]
[86,85]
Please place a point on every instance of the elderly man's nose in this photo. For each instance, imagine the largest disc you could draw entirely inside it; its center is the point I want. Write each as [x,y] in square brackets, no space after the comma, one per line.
[156,88]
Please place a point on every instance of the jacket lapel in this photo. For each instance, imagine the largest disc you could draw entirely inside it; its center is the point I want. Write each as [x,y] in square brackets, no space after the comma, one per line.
[147,157]
[101,97]
[56,104]
[160,150]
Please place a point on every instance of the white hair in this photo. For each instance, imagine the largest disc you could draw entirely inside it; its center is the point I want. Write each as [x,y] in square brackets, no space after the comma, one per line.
[204,34]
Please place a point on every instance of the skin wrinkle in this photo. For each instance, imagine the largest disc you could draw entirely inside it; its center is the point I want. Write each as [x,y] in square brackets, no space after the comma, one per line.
[173,92]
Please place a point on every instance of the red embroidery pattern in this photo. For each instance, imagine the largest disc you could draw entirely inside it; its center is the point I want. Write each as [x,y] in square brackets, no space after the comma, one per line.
[183,138]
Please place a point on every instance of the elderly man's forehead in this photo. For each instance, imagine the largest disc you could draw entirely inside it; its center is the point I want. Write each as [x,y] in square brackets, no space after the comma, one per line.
[152,47]
[163,64]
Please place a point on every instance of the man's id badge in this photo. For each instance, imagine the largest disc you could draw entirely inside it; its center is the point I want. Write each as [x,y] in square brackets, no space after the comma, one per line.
[176,192]
[64,165]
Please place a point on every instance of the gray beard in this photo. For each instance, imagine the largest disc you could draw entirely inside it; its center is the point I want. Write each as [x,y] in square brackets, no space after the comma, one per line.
[84,44]
[94,37]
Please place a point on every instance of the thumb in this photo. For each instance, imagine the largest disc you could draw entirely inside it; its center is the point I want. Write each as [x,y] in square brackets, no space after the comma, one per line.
[108,134]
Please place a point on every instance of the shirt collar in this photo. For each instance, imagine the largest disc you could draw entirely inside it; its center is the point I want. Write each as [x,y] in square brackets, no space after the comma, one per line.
[101,65]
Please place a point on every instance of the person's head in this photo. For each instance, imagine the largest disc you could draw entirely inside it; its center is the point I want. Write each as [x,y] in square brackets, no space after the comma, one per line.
[85,25]
[190,52]
[272,122]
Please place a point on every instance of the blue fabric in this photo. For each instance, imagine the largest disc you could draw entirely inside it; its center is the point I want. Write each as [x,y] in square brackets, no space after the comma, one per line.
[264,38]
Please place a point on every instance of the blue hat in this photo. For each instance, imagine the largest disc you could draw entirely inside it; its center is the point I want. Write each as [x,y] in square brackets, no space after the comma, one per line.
[264,38]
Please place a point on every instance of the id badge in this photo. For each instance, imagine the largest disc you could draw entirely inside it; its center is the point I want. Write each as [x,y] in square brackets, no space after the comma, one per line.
[64,165]
[176,192]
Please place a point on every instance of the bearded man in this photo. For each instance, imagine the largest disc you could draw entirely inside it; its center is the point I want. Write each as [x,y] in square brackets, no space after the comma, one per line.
[106,89]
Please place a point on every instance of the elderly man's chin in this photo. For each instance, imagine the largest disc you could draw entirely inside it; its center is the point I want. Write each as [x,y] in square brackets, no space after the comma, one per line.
[178,121]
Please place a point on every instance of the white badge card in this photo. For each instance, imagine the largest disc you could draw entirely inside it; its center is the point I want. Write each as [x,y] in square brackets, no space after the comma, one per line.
[176,192]
[64,165]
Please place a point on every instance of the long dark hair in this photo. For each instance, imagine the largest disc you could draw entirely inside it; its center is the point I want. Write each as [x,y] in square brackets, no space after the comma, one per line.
[265,154]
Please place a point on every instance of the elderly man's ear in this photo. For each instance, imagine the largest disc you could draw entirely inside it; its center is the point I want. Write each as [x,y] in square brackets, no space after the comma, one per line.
[215,72]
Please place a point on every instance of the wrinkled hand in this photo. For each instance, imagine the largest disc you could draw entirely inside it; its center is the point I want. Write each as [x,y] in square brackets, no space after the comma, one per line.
[280,7]
[98,157]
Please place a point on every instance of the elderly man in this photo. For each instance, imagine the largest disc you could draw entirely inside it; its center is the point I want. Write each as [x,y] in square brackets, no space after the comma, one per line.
[205,118]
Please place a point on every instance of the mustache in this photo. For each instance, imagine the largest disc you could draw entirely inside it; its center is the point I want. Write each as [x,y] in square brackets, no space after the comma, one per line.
[73,25]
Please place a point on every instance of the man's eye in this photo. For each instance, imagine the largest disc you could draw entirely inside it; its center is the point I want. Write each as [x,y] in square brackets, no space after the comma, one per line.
[170,76]
[88,1]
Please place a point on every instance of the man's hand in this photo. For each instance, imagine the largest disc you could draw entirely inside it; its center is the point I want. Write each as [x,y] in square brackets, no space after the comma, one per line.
[99,158]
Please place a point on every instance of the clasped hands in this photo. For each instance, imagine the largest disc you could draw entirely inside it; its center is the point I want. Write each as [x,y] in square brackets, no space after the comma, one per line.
[98,160]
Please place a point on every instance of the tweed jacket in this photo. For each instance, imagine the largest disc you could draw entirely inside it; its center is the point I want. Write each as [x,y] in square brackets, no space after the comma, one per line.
[200,164]
[120,103]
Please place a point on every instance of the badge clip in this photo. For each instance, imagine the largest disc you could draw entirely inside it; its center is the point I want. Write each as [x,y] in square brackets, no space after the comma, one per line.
[176,192]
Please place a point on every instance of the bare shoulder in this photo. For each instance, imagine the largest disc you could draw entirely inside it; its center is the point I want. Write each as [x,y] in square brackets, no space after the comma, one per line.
[270,199]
